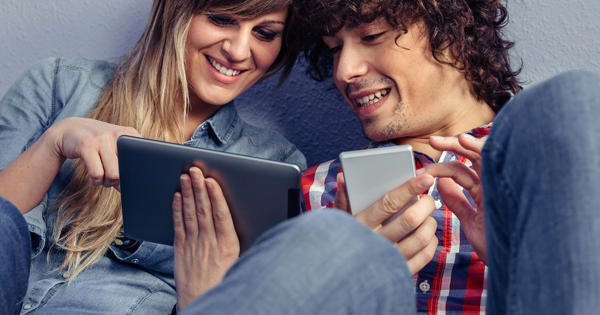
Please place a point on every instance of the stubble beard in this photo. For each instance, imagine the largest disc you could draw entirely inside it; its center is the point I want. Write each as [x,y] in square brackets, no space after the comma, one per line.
[390,130]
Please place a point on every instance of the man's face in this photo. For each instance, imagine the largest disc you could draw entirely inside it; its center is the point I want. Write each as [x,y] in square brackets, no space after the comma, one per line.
[393,83]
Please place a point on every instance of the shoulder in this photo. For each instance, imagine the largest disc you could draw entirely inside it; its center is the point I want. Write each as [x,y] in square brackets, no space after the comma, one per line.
[61,78]
[273,142]
[96,73]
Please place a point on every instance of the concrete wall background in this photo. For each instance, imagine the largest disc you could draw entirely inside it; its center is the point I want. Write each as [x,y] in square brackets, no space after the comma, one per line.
[551,36]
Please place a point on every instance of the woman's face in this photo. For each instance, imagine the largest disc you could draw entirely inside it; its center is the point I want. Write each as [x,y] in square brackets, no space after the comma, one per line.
[226,55]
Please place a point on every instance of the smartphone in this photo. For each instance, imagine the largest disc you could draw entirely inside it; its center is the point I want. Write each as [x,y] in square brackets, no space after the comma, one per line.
[371,173]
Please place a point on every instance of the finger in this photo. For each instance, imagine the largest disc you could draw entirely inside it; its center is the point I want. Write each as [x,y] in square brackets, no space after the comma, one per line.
[129,131]
[178,224]
[471,143]
[455,199]
[110,162]
[190,221]
[409,220]
[419,239]
[340,200]
[204,212]
[224,228]
[422,258]
[472,151]
[394,200]
[460,173]
[93,164]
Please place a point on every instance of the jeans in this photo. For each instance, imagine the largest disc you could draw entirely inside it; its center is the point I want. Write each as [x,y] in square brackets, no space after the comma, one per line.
[323,262]
[541,178]
[15,250]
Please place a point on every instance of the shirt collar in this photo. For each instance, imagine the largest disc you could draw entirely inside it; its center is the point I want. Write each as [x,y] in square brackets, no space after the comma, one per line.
[222,123]
[422,158]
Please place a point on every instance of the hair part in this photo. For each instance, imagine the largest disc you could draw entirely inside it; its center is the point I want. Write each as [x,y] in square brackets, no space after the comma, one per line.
[148,84]
[469,32]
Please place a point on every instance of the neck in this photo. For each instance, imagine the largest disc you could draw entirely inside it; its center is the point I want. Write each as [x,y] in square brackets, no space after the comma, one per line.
[198,112]
[466,118]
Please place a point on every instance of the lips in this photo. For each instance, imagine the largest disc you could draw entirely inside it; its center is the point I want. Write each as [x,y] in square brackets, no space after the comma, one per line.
[228,71]
[367,102]
[370,98]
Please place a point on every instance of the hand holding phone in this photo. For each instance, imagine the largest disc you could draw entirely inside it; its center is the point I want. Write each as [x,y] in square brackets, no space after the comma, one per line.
[371,173]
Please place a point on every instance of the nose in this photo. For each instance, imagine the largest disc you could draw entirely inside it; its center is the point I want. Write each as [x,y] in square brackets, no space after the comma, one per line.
[237,46]
[350,65]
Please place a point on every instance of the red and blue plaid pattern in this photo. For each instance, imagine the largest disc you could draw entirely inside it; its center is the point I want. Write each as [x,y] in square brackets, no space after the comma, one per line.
[455,280]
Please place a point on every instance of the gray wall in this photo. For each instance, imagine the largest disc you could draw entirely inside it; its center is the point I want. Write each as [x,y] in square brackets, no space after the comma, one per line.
[551,36]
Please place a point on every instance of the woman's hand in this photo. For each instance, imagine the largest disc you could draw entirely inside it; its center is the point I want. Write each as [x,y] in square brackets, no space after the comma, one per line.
[26,180]
[95,142]
[206,244]
[452,174]
[413,231]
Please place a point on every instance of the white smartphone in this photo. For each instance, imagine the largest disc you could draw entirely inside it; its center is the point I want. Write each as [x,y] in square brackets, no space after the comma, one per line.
[371,173]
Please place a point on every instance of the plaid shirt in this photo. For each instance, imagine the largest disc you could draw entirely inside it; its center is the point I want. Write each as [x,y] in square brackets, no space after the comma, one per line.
[455,280]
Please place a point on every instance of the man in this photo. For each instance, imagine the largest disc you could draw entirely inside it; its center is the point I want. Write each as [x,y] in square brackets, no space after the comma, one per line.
[412,70]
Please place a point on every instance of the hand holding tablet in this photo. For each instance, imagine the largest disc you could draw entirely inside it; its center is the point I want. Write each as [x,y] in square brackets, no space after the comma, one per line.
[260,193]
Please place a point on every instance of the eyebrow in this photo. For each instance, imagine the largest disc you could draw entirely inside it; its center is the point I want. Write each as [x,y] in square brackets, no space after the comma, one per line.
[272,22]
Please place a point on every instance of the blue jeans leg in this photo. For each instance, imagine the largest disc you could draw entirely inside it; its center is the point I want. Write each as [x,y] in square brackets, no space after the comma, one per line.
[15,252]
[323,262]
[541,177]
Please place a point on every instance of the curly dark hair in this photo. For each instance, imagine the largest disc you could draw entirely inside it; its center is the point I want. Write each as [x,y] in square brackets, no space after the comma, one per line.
[470,30]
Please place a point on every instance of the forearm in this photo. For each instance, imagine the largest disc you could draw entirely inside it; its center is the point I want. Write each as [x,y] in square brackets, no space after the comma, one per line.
[25,181]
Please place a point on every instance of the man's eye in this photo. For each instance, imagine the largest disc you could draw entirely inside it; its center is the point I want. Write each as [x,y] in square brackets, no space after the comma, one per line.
[265,34]
[372,37]
[221,19]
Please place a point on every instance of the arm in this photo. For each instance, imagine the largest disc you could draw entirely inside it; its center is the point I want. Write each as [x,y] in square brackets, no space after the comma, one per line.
[25,180]
[205,244]
[413,231]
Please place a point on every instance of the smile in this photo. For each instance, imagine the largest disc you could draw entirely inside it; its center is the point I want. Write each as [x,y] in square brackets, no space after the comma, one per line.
[371,98]
[224,70]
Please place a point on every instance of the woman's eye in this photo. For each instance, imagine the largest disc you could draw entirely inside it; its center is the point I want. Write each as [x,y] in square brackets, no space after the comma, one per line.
[266,34]
[221,19]
[334,50]
[372,37]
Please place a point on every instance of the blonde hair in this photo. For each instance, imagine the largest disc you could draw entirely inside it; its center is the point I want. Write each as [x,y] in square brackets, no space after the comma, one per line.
[148,83]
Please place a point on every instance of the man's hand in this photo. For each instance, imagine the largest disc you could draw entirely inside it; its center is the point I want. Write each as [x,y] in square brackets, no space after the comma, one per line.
[453,174]
[413,231]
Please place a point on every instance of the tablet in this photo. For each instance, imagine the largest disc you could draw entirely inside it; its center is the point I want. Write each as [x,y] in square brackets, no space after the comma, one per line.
[371,173]
[260,193]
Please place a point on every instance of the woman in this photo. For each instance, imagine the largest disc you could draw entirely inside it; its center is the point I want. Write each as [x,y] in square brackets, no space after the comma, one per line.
[177,85]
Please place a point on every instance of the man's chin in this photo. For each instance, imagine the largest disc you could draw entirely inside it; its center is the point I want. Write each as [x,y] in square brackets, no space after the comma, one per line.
[373,133]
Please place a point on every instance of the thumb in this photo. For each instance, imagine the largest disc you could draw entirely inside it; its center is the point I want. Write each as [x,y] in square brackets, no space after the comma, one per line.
[341,196]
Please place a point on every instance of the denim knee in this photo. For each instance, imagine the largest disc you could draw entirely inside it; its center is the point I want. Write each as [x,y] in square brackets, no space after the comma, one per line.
[560,101]
[12,220]
[327,225]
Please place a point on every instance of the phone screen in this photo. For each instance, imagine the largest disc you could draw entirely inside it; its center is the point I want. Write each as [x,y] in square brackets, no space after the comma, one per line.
[371,173]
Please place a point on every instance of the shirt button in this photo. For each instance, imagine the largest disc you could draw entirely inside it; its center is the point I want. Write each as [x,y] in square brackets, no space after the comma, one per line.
[135,260]
[424,286]
[26,306]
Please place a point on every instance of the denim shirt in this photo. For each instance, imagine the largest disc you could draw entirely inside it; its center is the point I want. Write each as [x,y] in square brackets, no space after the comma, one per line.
[55,89]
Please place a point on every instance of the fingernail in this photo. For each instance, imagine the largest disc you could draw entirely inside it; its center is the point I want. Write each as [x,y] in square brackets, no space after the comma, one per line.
[425,182]
[420,171]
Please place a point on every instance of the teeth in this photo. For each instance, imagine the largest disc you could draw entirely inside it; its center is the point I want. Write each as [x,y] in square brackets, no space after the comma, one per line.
[224,70]
[371,98]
